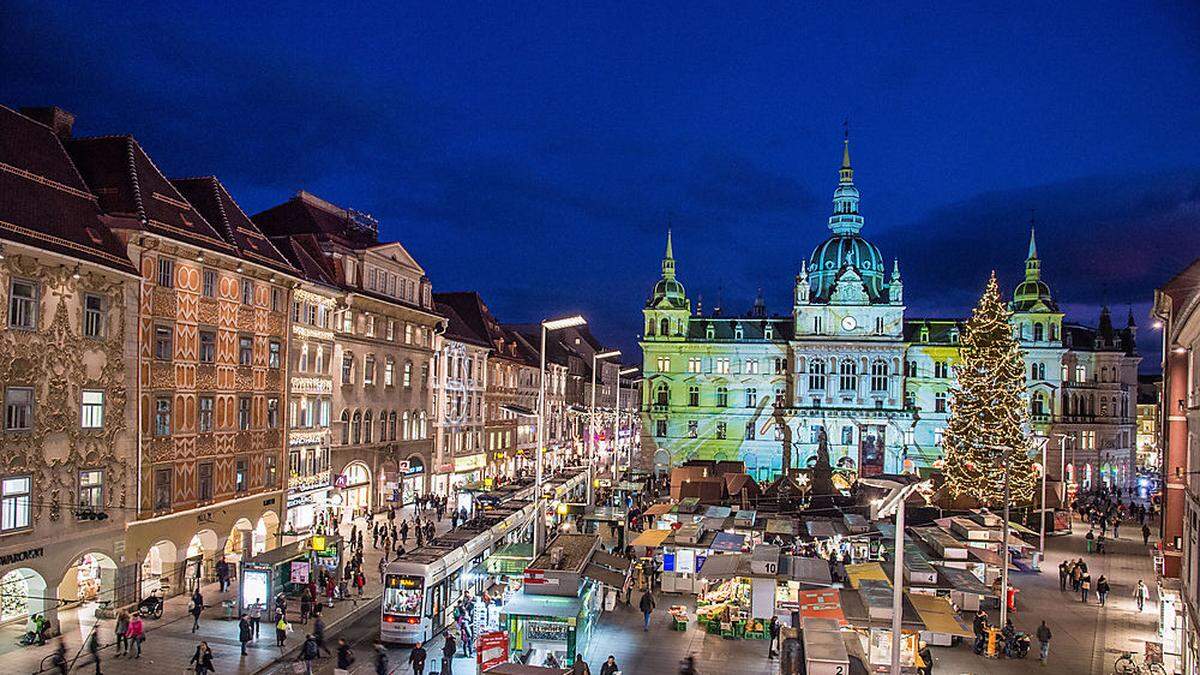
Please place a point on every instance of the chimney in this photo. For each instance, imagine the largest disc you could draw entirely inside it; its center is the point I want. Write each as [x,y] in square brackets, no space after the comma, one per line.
[60,121]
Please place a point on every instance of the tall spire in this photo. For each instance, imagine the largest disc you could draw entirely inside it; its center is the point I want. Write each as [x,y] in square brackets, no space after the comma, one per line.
[1033,266]
[845,218]
[668,263]
[846,173]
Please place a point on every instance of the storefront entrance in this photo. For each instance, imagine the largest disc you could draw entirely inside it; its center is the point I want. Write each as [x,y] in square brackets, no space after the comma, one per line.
[22,594]
[355,483]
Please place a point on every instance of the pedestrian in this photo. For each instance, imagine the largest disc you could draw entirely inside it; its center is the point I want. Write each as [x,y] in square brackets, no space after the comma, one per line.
[1085,586]
[1043,636]
[121,630]
[1116,527]
[281,630]
[222,575]
[381,660]
[1102,589]
[1139,594]
[646,604]
[203,658]
[345,655]
[136,633]
[416,658]
[360,580]
[94,647]
[580,667]
[1145,535]
[309,652]
[773,634]
[448,650]
[196,607]
[245,631]
[610,666]
[60,657]
[256,610]
[319,635]
[305,606]
[926,657]
[1062,576]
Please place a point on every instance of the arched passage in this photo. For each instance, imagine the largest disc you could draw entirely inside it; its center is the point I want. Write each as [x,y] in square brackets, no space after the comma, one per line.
[266,532]
[159,568]
[356,491]
[240,542]
[91,578]
[22,594]
[662,461]
[199,559]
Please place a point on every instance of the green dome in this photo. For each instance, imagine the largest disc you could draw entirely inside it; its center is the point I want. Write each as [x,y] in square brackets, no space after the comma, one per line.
[1031,293]
[840,250]
[671,290]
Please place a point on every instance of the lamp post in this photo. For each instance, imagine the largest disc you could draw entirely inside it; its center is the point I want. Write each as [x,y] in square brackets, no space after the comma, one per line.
[1001,449]
[1045,441]
[617,425]
[894,503]
[539,521]
[591,444]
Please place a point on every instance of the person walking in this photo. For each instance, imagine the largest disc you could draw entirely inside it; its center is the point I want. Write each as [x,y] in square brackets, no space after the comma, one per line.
[926,658]
[646,604]
[1043,636]
[1140,592]
[345,655]
[416,659]
[305,606]
[1062,576]
[203,658]
[381,660]
[197,606]
[245,632]
[222,575]
[308,653]
[281,630]
[319,636]
[136,633]
[93,647]
[121,630]
[1102,589]
[773,635]
[1145,534]
[60,657]
[580,667]
[1085,587]
[448,650]
[256,610]
[610,666]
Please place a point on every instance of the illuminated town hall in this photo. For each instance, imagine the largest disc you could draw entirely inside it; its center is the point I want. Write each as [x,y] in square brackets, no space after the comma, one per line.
[848,363]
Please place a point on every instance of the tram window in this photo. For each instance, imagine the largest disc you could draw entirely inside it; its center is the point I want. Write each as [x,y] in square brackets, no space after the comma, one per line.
[403,595]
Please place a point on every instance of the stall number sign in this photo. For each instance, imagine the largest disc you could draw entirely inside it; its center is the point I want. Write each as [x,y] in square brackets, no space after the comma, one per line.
[546,631]
[537,577]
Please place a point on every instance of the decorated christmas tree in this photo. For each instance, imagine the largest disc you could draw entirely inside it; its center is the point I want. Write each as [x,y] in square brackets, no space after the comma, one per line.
[987,429]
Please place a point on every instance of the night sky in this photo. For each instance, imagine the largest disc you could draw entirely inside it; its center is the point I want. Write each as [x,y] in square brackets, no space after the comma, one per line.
[536,153]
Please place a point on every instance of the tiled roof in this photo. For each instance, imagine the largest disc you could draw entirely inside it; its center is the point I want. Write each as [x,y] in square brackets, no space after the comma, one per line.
[940,330]
[305,213]
[127,183]
[304,252]
[44,202]
[753,328]
[458,329]
[209,196]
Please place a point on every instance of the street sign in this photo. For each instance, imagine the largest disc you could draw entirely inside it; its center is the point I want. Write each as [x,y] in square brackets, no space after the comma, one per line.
[491,649]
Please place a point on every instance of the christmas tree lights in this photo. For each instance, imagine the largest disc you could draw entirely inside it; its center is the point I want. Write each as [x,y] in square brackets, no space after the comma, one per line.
[986,433]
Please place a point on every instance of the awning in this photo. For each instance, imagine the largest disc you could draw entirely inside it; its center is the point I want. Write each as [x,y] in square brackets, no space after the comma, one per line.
[518,410]
[806,570]
[616,562]
[865,572]
[553,606]
[938,615]
[725,566]
[651,538]
[728,541]
[820,529]
[604,576]
[963,581]
[781,526]
[658,509]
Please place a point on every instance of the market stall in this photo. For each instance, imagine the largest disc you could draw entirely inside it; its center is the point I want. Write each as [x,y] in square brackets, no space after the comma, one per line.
[287,569]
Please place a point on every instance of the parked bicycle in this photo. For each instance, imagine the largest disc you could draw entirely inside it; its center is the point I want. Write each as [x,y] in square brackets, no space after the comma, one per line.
[1127,664]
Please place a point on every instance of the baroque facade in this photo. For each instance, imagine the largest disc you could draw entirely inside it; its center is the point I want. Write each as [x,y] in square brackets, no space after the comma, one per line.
[849,365]
[460,368]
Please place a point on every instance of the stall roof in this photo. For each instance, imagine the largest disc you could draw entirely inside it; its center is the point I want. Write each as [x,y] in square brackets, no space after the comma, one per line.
[651,538]
[556,606]
[937,615]
[660,509]
[825,646]
[872,571]
[728,541]
[962,580]
[782,526]
[824,603]
[605,575]
[284,553]
[605,514]
[725,566]
[522,669]
[806,570]
[602,557]
[717,512]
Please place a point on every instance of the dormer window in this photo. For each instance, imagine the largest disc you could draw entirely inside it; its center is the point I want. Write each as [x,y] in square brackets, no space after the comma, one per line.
[954,336]
[737,332]
[710,332]
[924,334]
[768,332]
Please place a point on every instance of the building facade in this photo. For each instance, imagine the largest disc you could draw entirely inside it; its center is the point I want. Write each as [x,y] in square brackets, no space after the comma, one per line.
[383,329]
[460,372]
[69,330]
[849,365]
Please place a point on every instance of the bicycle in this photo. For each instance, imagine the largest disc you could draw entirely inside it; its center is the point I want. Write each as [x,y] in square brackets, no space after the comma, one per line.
[1127,665]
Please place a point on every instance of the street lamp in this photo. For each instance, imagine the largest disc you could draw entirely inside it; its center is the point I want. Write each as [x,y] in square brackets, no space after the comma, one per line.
[1062,470]
[1045,441]
[894,503]
[1002,449]
[591,444]
[539,523]
[617,426]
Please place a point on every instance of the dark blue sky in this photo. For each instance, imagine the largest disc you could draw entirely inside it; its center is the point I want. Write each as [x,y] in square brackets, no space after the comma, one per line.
[535,152]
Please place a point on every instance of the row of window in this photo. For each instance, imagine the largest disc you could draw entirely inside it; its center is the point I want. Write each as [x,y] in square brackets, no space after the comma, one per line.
[164,478]
[16,492]
[412,333]
[359,427]
[163,412]
[389,371]
[24,314]
[208,284]
[19,409]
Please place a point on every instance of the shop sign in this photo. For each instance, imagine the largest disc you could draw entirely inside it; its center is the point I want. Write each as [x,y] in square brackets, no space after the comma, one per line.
[341,481]
[307,438]
[317,542]
[21,557]
[546,631]
[409,468]
[470,463]
[537,577]
[491,649]
[300,571]
[311,385]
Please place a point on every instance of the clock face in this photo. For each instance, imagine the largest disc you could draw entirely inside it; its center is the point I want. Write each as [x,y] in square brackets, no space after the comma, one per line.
[848,323]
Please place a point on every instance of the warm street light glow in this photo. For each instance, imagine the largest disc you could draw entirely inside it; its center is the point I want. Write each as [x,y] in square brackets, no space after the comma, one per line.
[565,322]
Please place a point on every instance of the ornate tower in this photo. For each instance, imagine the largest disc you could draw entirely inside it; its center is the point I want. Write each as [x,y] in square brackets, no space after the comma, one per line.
[667,311]
[1035,313]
